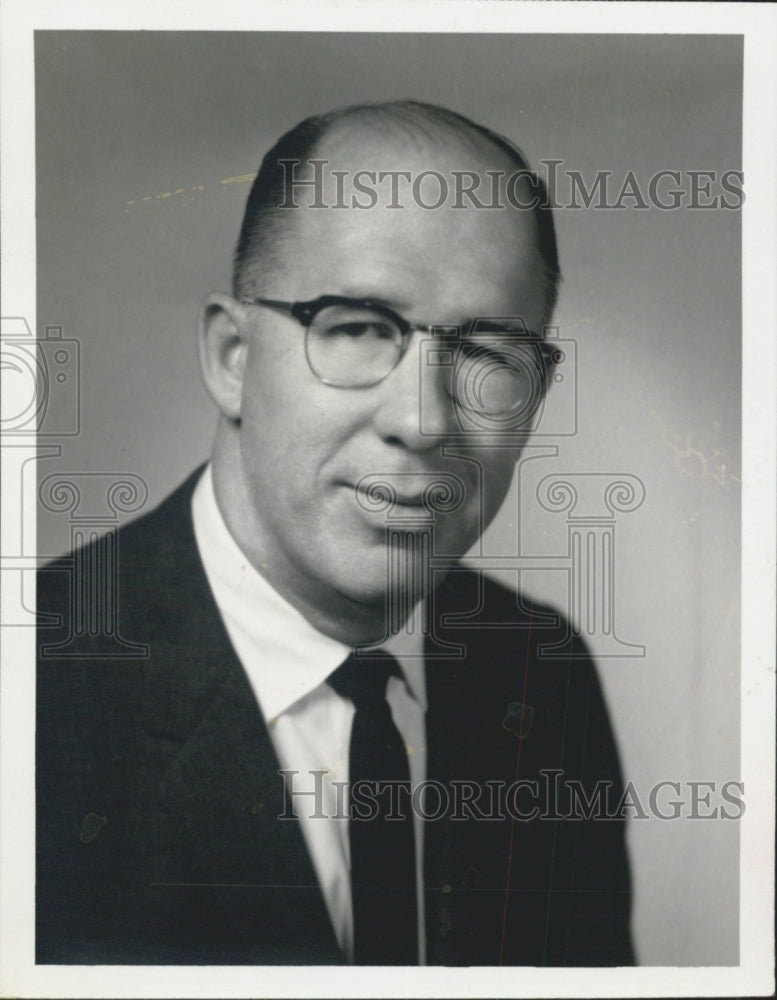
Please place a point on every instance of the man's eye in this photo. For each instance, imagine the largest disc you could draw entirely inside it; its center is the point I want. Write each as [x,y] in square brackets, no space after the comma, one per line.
[361,330]
[513,353]
[488,352]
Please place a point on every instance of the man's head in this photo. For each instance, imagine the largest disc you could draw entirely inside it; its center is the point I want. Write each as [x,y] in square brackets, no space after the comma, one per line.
[306,429]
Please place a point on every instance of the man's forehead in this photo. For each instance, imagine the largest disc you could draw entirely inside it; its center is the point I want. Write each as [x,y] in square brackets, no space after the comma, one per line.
[363,205]
[359,178]
[417,260]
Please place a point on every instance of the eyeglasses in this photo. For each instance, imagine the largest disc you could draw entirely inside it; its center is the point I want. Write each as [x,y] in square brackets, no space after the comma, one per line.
[498,368]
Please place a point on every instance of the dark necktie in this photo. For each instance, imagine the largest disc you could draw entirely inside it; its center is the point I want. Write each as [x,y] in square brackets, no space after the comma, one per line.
[383,888]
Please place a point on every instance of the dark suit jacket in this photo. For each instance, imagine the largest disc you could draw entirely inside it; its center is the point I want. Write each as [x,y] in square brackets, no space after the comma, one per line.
[158,794]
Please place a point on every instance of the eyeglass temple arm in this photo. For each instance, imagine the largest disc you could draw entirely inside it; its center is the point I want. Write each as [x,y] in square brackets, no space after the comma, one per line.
[299,310]
[270,303]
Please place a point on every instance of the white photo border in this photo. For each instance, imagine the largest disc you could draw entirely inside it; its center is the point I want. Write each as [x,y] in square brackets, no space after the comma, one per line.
[754,975]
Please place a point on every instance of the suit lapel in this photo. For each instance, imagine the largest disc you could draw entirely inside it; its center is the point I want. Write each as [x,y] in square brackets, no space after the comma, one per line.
[219,842]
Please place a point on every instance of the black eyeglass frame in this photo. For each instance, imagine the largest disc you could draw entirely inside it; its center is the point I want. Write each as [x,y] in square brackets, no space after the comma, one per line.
[306,312]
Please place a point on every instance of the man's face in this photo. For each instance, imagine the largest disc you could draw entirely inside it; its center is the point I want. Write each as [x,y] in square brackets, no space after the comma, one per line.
[305,445]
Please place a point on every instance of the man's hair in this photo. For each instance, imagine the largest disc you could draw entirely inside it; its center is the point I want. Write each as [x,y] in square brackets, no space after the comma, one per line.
[263,222]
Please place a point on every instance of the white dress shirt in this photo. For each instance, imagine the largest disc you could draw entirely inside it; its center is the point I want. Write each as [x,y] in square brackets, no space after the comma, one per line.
[287,662]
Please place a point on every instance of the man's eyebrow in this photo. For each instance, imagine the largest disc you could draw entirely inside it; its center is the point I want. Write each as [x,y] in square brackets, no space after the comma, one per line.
[498,324]
[396,303]
[467,325]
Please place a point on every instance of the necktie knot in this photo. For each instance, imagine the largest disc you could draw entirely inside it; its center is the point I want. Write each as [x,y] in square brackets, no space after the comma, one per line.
[364,680]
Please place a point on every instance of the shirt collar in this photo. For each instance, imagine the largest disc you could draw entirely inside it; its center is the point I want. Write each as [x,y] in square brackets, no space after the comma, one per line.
[283,654]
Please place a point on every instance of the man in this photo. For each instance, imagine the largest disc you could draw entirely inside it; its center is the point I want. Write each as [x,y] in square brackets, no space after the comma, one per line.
[228,797]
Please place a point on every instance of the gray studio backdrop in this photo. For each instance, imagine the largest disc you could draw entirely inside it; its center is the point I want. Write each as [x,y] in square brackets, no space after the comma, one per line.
[146,145]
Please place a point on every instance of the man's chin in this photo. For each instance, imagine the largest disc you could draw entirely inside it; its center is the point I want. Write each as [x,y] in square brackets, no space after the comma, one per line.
[386,592]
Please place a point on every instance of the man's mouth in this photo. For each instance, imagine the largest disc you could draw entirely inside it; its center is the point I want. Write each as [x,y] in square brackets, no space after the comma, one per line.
[409,492]
[380,497]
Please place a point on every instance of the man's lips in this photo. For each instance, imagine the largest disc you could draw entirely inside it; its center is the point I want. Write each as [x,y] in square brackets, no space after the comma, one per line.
[373,494]
[432,492]
[416,500]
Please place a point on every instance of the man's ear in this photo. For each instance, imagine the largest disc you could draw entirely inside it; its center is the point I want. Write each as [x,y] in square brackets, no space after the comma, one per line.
[223,344]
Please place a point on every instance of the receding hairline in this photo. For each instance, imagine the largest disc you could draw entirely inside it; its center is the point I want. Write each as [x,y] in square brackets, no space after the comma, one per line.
[421,124]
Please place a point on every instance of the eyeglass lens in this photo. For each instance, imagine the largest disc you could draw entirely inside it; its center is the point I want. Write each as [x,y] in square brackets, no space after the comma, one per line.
[493,373]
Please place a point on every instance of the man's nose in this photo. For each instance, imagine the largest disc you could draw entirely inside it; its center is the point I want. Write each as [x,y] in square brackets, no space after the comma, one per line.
[416,409]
